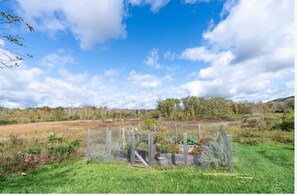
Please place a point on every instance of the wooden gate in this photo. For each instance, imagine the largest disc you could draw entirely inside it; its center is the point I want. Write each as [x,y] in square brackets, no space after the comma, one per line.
[139,151]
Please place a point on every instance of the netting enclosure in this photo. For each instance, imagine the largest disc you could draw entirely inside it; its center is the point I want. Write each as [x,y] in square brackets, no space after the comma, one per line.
[169,145]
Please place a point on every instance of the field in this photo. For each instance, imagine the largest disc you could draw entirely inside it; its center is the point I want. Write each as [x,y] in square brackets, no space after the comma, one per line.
[263,160]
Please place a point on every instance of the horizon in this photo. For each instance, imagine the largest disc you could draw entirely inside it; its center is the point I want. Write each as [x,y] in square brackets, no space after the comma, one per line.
[148,109]
[128,54]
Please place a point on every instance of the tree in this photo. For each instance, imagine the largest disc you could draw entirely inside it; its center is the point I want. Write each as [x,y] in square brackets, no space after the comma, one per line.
[8,56]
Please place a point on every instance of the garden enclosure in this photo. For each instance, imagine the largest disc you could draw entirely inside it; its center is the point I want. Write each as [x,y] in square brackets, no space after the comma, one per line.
[165,145]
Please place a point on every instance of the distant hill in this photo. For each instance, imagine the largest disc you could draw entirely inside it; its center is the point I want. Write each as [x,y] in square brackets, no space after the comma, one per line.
[283,99]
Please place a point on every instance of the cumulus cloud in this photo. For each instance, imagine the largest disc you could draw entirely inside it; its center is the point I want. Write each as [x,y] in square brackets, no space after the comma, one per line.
[152,59]
[33,87]
[156,5]
[86,20]
[249,52]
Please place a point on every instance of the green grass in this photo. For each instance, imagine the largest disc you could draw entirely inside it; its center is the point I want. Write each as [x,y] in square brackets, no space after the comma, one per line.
[271,168]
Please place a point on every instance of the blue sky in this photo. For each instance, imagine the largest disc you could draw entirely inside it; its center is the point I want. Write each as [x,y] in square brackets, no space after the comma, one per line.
[130,53]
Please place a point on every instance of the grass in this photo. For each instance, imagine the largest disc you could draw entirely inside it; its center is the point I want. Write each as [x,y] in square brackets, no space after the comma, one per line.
[271,168]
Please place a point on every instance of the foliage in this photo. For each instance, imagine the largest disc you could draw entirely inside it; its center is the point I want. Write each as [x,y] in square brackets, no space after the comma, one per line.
[148,124]
[199,147]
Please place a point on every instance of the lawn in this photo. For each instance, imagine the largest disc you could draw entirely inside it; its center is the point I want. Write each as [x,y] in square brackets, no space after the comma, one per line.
[259,169]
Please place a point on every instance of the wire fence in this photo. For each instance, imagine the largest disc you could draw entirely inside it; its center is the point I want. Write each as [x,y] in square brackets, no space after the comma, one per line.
[170,144]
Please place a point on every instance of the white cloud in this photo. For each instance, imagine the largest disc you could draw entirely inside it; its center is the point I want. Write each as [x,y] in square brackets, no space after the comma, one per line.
[32,87]
[111,72]
[228,5]
[59,58]
[146,80]
[152,59]
[85,19]
[156,5]
[250,52]
[198,53]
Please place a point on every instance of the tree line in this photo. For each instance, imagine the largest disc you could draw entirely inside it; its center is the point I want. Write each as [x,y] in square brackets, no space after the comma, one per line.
[191,108]
[188,108]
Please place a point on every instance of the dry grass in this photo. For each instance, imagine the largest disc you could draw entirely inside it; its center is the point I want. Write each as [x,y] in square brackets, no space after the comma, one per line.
[68,129]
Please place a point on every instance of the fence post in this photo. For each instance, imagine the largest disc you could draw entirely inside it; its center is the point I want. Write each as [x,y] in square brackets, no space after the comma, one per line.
[228,148]
[108,144]
[151,149]
[123,137]
[88,144]
[185,149]
[120,138]
[132,155]
[229,153]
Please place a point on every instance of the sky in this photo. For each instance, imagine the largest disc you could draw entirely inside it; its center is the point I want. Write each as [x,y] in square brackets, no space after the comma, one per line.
[132,53]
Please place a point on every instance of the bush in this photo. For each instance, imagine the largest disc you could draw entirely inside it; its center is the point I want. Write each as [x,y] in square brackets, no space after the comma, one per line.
[252,121]
[64,150]
[288,122]
[23,158]
[272,122]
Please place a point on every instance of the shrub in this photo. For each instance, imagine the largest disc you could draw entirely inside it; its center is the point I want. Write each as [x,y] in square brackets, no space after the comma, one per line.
[63,150]
[272,122]
[23,158]
[288,122]
[254,122]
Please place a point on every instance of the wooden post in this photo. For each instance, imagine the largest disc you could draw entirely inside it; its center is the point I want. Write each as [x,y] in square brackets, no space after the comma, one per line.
[229,153]
[108,144]
[123,137]
[88,144]
[151,149]
[132,155]
[120,138]
[228,148]
[185,149]
[155,128]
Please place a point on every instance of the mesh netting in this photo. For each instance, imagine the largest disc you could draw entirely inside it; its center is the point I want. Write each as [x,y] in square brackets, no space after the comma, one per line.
[205,146]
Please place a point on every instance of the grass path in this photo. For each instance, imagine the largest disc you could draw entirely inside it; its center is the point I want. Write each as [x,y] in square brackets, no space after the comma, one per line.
[271,167]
